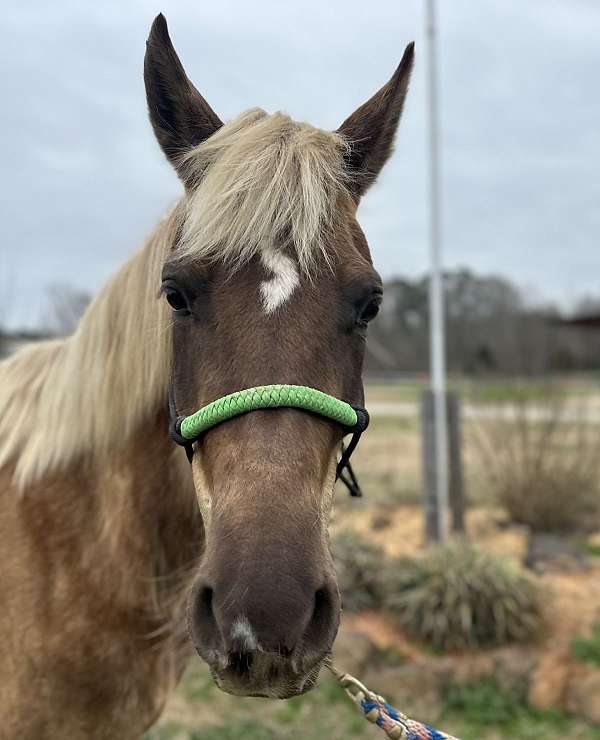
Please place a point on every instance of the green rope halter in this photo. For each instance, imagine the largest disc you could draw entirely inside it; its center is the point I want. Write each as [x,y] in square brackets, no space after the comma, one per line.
[267,397]
[187,429]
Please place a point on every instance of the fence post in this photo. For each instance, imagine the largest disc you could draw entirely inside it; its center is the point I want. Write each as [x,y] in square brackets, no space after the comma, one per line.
[428,459]
[456,493]
[456,480]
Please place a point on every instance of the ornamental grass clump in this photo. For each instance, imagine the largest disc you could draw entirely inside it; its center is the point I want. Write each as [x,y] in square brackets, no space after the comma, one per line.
[457,597]
[359,564]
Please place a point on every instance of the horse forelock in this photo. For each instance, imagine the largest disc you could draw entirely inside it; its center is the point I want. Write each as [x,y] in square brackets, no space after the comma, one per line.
[263,182]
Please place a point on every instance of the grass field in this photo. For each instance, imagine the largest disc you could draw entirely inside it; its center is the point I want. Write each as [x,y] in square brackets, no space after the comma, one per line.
[497,390]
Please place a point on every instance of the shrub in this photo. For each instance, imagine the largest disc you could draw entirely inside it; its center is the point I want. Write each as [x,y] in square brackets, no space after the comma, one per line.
[359,564]
[458,597]
[559,501]
[542,463]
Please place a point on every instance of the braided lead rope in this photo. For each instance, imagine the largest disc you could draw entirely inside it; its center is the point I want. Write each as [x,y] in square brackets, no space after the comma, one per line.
[376,709]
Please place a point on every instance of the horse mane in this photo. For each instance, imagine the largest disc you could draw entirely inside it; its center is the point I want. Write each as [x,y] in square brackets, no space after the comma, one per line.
[262,181]
[87,392]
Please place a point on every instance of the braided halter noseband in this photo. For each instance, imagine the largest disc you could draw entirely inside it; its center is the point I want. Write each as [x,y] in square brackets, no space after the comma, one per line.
[185,430]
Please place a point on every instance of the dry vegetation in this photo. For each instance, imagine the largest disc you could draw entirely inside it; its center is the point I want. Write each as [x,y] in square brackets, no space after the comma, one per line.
[542,463]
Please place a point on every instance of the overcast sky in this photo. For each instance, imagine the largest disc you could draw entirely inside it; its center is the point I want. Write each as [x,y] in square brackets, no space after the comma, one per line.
[84,181]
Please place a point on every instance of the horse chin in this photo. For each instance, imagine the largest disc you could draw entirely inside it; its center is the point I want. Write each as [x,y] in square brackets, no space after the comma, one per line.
[285,686]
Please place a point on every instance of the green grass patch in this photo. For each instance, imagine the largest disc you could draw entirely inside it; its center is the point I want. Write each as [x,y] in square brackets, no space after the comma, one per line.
[590,548]
[508,391]
[485,709]
[587,649]
[198,686]
[249,729]
[166,731]
[482,390]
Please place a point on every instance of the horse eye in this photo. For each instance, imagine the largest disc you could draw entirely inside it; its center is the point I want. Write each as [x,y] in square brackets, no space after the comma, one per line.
[176,300]
[369,312]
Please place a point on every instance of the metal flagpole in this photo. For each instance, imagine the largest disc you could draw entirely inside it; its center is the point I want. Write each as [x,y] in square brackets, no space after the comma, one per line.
[436,289]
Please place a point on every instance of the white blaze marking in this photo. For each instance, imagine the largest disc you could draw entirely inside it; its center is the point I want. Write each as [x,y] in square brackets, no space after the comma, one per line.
[285,279]
[242,631]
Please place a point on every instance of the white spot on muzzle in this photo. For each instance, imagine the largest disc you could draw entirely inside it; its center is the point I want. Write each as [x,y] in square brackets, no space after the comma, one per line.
[285,279]
[242,632]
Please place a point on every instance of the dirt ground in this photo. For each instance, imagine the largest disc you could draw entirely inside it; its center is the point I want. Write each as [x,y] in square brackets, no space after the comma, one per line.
[572,598]
[558,686]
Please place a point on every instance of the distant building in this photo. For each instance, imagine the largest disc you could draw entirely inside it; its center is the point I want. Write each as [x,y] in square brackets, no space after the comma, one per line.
[591,321]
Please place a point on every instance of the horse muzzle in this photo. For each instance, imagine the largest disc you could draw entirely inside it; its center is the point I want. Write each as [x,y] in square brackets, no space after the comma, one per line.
[268,644]
[264,675]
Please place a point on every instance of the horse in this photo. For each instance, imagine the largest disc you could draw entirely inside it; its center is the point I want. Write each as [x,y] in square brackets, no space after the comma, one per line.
[118,556]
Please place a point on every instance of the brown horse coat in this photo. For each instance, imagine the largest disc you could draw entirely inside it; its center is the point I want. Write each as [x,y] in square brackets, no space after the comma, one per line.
[105,531]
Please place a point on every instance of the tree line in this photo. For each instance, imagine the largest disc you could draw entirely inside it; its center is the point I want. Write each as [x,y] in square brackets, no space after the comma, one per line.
[492,327]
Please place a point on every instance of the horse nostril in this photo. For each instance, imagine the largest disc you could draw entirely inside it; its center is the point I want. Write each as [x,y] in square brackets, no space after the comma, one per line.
[324,621]
[205,599]
[322,605]
[241,663]
[204,606]
[202,621]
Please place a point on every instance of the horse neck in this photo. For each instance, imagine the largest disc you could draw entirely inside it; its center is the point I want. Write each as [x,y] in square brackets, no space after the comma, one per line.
[83,398]
[85,434]
[142,482]
[147,516]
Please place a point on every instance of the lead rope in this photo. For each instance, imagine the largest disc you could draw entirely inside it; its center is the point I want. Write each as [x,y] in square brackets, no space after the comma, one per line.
[377,710]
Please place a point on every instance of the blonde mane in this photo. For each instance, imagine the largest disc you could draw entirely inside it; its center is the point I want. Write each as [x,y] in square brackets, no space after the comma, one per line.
[263,181]
[86,393]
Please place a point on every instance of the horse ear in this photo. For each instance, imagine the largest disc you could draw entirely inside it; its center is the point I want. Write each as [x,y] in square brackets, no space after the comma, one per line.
[370,130]
[180,116]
